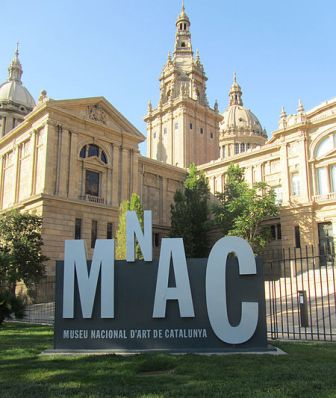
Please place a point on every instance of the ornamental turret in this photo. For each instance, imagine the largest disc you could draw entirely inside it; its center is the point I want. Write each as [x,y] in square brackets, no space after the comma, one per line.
[183,128]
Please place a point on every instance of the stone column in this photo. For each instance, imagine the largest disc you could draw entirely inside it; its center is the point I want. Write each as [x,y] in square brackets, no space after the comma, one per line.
[33,162]
[285,178]
[115,176]
[16,176]
[1,180]
[73,190]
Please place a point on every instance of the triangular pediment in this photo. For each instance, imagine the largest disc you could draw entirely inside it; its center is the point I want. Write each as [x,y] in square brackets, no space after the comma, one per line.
[99,111]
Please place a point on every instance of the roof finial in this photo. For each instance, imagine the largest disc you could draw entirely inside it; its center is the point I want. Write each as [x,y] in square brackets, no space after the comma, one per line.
[235,77]
[182,5]
[15,68]
[300,108]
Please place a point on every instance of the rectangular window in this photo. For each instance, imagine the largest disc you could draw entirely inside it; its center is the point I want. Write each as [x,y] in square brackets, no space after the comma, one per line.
[279,233]
[297,237]
[333,178]
[109,230]
[92,183]
[176,126]
[201,130]
[322,178]
[242,147]
[236,149]
[156,239]
[296,184]
[276,231]
[94,229]
[78,228]
[278,195]
[190,125]
[223,151]
[165,131]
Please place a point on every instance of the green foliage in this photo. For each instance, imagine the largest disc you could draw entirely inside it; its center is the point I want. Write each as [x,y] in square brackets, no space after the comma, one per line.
[240,209]
[189,214]
[11,305]
[135,205]
[21,248]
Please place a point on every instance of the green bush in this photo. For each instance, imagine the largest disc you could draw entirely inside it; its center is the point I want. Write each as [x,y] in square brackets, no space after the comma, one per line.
[11,305]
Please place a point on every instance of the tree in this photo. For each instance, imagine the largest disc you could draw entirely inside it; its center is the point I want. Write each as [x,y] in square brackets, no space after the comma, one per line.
[135,205]
[21,249]
[241,209]
[189,214]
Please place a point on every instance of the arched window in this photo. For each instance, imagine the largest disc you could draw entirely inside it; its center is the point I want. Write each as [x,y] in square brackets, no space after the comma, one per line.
[325,168]
[326,145]
[93,150]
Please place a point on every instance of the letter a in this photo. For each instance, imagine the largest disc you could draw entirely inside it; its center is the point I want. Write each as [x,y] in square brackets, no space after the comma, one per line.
[173,249]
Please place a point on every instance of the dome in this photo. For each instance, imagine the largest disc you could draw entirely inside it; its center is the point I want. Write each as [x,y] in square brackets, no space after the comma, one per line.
[13,91]
[240,120]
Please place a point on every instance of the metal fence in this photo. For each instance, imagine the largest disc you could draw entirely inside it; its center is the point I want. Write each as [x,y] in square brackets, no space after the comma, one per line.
[300,292]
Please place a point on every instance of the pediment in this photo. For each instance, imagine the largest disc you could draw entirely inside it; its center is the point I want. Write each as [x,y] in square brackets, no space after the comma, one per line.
[98,110]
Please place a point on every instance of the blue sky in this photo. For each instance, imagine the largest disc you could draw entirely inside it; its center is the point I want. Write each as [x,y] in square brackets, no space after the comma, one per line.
[281,50]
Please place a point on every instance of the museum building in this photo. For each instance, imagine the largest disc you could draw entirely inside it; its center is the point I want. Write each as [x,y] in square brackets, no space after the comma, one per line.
[73,161]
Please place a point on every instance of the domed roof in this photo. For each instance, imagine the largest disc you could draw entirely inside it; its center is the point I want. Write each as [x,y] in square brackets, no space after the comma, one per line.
[13,90]
[237,118]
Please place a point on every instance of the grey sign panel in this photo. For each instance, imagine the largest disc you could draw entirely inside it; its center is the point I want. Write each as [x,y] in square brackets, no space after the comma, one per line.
[133,326]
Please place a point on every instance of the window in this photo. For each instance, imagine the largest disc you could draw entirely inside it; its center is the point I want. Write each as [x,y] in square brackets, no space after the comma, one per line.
[236,149]
[109,230]
[165,131]
[297,237]
[242,147]
[156,239]
[185,26]
[322,178]
[154,135]
[176,126]
[201,130]
[78,228]
[276,231]
[333,178]
[94,228]
[326,145]
[190,125]
[278,194]
[248,146]
[92,183]
[295,184]
[211,135]
[183,44]
[223,151]
[93,150]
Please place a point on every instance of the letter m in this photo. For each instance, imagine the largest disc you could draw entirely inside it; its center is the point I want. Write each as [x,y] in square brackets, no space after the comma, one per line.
[75,261]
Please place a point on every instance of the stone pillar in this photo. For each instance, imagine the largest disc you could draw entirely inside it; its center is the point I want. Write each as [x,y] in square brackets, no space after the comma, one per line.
[73,188]
[1,180]
[50,160]
[285,178]
[33,162]
[16,176]
[115,175]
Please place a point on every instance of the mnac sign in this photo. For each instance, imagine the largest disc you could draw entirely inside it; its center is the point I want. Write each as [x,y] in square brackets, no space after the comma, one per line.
[171,304]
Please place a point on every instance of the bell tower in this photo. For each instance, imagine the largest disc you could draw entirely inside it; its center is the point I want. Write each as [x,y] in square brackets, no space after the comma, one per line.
[183,128]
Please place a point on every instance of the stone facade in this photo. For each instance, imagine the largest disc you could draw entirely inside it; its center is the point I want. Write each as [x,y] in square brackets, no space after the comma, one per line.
[74,161]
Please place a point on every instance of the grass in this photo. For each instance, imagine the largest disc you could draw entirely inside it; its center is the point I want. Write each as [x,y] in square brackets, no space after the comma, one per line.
[308,371]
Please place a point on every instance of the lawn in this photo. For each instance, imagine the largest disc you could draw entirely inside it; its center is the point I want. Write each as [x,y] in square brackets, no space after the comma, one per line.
[308,371]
